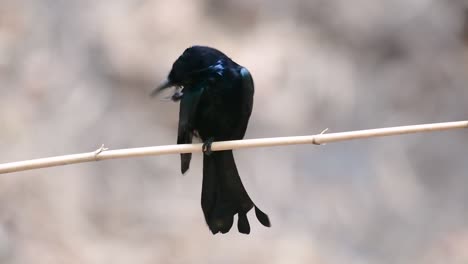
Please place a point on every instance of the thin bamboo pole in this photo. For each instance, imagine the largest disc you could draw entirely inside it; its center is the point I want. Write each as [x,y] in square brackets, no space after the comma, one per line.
[104,154]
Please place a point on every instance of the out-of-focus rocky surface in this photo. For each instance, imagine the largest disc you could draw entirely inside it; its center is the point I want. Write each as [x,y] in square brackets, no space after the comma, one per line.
[76,74]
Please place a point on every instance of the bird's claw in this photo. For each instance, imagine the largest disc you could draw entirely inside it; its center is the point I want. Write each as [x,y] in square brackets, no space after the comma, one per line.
[177,96]
[206,148]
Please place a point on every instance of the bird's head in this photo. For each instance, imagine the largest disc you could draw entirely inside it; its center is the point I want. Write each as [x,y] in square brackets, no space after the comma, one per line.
[187,69]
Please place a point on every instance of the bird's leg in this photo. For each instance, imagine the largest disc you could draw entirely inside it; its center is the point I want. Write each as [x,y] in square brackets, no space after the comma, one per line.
[206,148]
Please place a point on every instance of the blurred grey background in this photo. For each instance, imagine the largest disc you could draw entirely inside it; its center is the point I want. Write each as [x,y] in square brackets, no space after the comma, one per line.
[76,74]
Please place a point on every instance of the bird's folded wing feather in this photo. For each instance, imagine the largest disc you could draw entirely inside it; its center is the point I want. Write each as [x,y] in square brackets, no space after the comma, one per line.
[188,109]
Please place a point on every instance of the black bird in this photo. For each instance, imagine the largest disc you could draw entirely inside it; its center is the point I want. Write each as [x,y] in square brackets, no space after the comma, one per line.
[216,99]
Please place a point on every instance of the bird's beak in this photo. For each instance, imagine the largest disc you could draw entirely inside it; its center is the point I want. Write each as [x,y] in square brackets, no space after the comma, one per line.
[162,86]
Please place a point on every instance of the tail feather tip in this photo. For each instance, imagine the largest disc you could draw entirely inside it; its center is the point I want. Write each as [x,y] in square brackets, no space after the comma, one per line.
[262,217]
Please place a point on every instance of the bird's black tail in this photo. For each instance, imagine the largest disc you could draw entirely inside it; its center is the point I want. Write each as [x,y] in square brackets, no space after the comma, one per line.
[223,195]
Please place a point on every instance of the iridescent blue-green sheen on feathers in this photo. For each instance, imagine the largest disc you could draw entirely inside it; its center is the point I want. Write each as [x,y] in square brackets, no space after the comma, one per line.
[216,101]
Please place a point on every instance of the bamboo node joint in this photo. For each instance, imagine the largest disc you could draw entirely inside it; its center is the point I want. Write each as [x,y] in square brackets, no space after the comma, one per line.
[321,133]
[99,151]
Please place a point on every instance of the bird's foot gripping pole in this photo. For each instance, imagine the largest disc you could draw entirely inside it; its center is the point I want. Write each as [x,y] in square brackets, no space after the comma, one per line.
[206,148]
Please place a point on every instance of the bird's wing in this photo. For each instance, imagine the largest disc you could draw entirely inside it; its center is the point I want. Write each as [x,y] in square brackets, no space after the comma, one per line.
[188,109]
[247,84]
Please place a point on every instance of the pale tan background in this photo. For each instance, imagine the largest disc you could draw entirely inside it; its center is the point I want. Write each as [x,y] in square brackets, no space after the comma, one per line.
[75,74]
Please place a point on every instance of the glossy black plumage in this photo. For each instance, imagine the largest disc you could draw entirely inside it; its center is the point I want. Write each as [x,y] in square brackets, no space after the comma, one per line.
[215,104]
